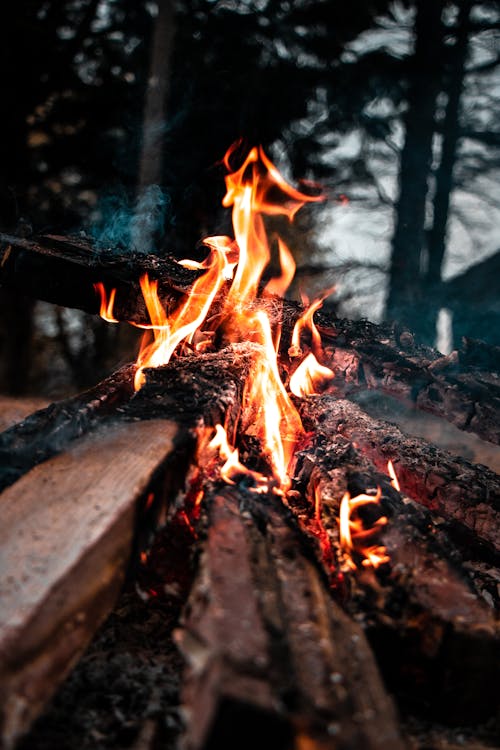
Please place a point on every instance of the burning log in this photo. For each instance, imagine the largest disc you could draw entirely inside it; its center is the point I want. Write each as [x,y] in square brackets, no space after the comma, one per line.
[434,636]
[63,559]
[65,271]
[464,494]
[269,653]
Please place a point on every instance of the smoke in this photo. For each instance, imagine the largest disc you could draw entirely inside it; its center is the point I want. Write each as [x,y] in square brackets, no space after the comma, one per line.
[131,225]
[147,224]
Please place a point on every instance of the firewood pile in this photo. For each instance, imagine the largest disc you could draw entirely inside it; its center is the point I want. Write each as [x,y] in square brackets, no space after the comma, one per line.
[311,611]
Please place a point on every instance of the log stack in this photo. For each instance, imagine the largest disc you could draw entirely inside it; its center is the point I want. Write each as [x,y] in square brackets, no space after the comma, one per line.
[286,642]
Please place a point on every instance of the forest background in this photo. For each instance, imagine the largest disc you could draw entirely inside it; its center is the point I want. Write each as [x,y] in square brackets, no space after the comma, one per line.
[116,115]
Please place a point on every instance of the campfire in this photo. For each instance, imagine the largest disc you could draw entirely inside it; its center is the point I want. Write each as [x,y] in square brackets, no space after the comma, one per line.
[325,565]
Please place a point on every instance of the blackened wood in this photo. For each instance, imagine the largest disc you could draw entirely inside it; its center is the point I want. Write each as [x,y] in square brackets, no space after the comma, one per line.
[46,432]
[466,494]
[435,637]
[198,388]
[364,355]
[272,660]
[65,539]
[63,270]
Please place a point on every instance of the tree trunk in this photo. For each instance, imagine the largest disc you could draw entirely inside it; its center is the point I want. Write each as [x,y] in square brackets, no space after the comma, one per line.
[436,240]
[404,302]
[148,219]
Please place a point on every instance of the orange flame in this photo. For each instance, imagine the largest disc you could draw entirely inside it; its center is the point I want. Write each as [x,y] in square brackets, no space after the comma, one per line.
[306,322]
[254,191]
[106,311]
[310,377]
[355,537]
[233,466]
[393,476]
[169,331]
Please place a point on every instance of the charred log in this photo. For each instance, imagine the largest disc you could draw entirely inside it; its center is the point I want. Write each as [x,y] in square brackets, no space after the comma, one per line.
[466,495]
[64,270]
[434,636]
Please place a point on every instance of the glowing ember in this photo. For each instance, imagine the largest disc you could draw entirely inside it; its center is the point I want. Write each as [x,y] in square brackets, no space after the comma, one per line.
[355,536]
[393,476]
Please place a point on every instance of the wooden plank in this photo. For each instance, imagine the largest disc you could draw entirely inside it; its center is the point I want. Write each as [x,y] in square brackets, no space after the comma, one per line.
[65,539]
[13,410]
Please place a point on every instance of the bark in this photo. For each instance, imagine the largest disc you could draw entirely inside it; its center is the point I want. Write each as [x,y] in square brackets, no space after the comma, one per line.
[364,355]
[271,658]
[405,298]
[434,636]
[466,495]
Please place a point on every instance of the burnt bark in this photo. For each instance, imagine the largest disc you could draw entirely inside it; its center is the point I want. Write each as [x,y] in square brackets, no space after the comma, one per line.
[465,494]
[434,635]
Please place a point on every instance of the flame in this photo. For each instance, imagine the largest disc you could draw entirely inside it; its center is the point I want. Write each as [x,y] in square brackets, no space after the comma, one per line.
[355,537]
[253,191]
[106,310]
[280,284]
[233,466]
[169,330]
[393,476]
[309,377]
[306,323]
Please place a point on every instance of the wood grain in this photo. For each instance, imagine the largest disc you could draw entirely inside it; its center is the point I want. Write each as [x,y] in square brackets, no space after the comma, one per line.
[65,539]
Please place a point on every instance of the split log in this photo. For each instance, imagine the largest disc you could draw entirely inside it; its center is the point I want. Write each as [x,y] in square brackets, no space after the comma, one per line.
[272,660]
[465,494]
[64,542]
[435,637]
[67,524]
